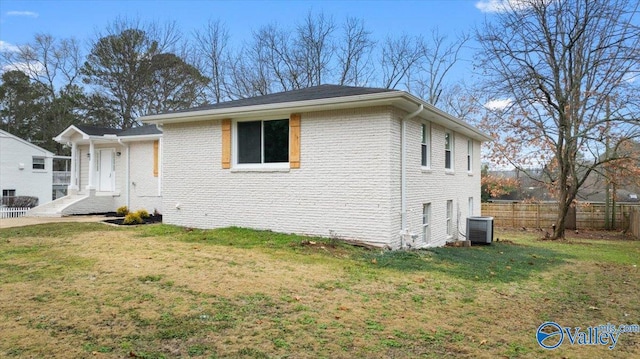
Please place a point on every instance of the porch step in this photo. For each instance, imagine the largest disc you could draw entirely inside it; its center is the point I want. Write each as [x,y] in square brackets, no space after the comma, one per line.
[55,208]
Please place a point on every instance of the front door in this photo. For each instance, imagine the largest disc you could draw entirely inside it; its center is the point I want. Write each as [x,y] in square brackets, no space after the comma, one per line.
[106,170]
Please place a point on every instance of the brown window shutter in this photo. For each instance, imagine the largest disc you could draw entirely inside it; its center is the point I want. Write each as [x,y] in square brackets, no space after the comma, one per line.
[155,158]
[294,142]
[226,143]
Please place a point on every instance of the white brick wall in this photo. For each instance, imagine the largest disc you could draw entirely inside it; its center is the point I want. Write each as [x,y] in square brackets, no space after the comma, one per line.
[348,183]
[342,187]
[436,185]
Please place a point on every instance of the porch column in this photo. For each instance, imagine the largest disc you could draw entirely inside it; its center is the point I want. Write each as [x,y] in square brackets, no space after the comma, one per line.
[73,182]
[91,187]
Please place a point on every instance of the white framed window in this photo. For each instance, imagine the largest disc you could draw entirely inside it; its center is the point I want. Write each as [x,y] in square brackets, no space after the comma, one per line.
[37,163]
[448,150]
[261,143]
[469,156]
[449,218]
[426,222]
[8,193]
[470,207]
[425,145]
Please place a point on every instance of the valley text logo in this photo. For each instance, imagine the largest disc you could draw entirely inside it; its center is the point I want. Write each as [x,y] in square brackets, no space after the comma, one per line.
[551,335]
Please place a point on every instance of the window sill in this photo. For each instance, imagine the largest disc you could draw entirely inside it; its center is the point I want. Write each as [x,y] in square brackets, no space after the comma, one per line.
[39,171]
[260,169]
[426,170]
[449,172]
[470,174]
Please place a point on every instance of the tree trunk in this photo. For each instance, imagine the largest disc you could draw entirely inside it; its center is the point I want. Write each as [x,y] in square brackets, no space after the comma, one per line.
[558,230]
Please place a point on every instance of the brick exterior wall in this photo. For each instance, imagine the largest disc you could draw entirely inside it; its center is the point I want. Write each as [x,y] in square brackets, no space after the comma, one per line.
[436,185]
[348,184]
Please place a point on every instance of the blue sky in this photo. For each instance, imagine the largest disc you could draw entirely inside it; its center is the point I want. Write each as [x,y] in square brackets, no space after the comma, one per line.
[20,20]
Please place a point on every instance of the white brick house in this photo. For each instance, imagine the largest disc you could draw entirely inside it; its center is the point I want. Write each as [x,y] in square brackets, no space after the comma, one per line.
[110,168]
[25,169]
[357,163]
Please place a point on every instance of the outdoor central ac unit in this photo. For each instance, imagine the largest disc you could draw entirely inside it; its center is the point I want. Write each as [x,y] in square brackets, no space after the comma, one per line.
[480,230]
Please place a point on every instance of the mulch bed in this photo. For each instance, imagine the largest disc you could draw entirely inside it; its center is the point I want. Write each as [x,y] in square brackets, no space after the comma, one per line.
[120,220]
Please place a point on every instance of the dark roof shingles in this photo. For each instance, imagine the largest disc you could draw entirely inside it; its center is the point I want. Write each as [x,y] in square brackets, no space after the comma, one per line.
[306,94]
[135,131]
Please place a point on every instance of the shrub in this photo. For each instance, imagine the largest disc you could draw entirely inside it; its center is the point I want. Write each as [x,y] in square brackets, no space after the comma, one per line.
[143,213]
[20,201]
[133,218]
[122,211]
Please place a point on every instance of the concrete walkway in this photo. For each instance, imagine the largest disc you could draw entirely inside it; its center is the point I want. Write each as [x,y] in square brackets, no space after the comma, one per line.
[28,221]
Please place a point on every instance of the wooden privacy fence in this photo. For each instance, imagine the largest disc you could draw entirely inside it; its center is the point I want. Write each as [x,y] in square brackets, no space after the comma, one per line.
[634,222]
[543,215]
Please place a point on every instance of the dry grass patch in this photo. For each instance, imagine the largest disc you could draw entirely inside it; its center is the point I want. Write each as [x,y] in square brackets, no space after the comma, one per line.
[166,292]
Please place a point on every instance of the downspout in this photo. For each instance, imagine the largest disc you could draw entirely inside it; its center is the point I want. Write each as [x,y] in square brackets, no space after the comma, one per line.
[403,175]
[127,174]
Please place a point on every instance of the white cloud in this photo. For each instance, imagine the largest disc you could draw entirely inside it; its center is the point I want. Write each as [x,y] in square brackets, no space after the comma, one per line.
[22,13]
[7,47]
[498,104]
[29,68]
[492,6]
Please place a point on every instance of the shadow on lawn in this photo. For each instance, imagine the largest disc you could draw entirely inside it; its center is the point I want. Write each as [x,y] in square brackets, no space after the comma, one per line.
[499,262]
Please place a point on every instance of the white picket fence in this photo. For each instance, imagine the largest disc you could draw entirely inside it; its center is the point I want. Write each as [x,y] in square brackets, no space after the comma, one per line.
[12,212]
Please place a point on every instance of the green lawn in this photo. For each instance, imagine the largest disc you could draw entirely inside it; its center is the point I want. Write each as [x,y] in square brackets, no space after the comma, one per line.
[74,290]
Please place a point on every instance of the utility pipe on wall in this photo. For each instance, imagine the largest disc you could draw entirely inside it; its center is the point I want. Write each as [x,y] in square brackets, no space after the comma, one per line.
[403,175]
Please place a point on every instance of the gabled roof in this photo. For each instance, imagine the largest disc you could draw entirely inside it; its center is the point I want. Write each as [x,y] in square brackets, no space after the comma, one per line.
[5,134]
[317,98]
[97,131]
[108,134]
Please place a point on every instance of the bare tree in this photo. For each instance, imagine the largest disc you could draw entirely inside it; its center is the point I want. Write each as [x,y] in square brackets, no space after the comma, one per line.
[272,50]
[314,47]
[210,49]
[354,54]
[52,66]
[400,57]
[439,57]
[246,78]
[53,63]
[558,63]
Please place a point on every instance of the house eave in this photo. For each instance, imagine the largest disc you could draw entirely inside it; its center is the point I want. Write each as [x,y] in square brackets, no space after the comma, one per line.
[399,99]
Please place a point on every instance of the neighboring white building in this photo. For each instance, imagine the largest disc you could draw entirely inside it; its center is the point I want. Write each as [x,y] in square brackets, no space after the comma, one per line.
[25,169]
[373,165]
[110,168]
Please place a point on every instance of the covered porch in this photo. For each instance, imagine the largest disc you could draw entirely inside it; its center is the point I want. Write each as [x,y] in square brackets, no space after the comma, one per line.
[102,176]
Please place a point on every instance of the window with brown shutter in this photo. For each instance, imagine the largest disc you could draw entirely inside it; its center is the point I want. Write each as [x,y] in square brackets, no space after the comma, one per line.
[262,142]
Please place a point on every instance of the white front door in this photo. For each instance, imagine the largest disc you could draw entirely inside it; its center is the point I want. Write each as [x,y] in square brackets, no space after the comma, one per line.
[106,170]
